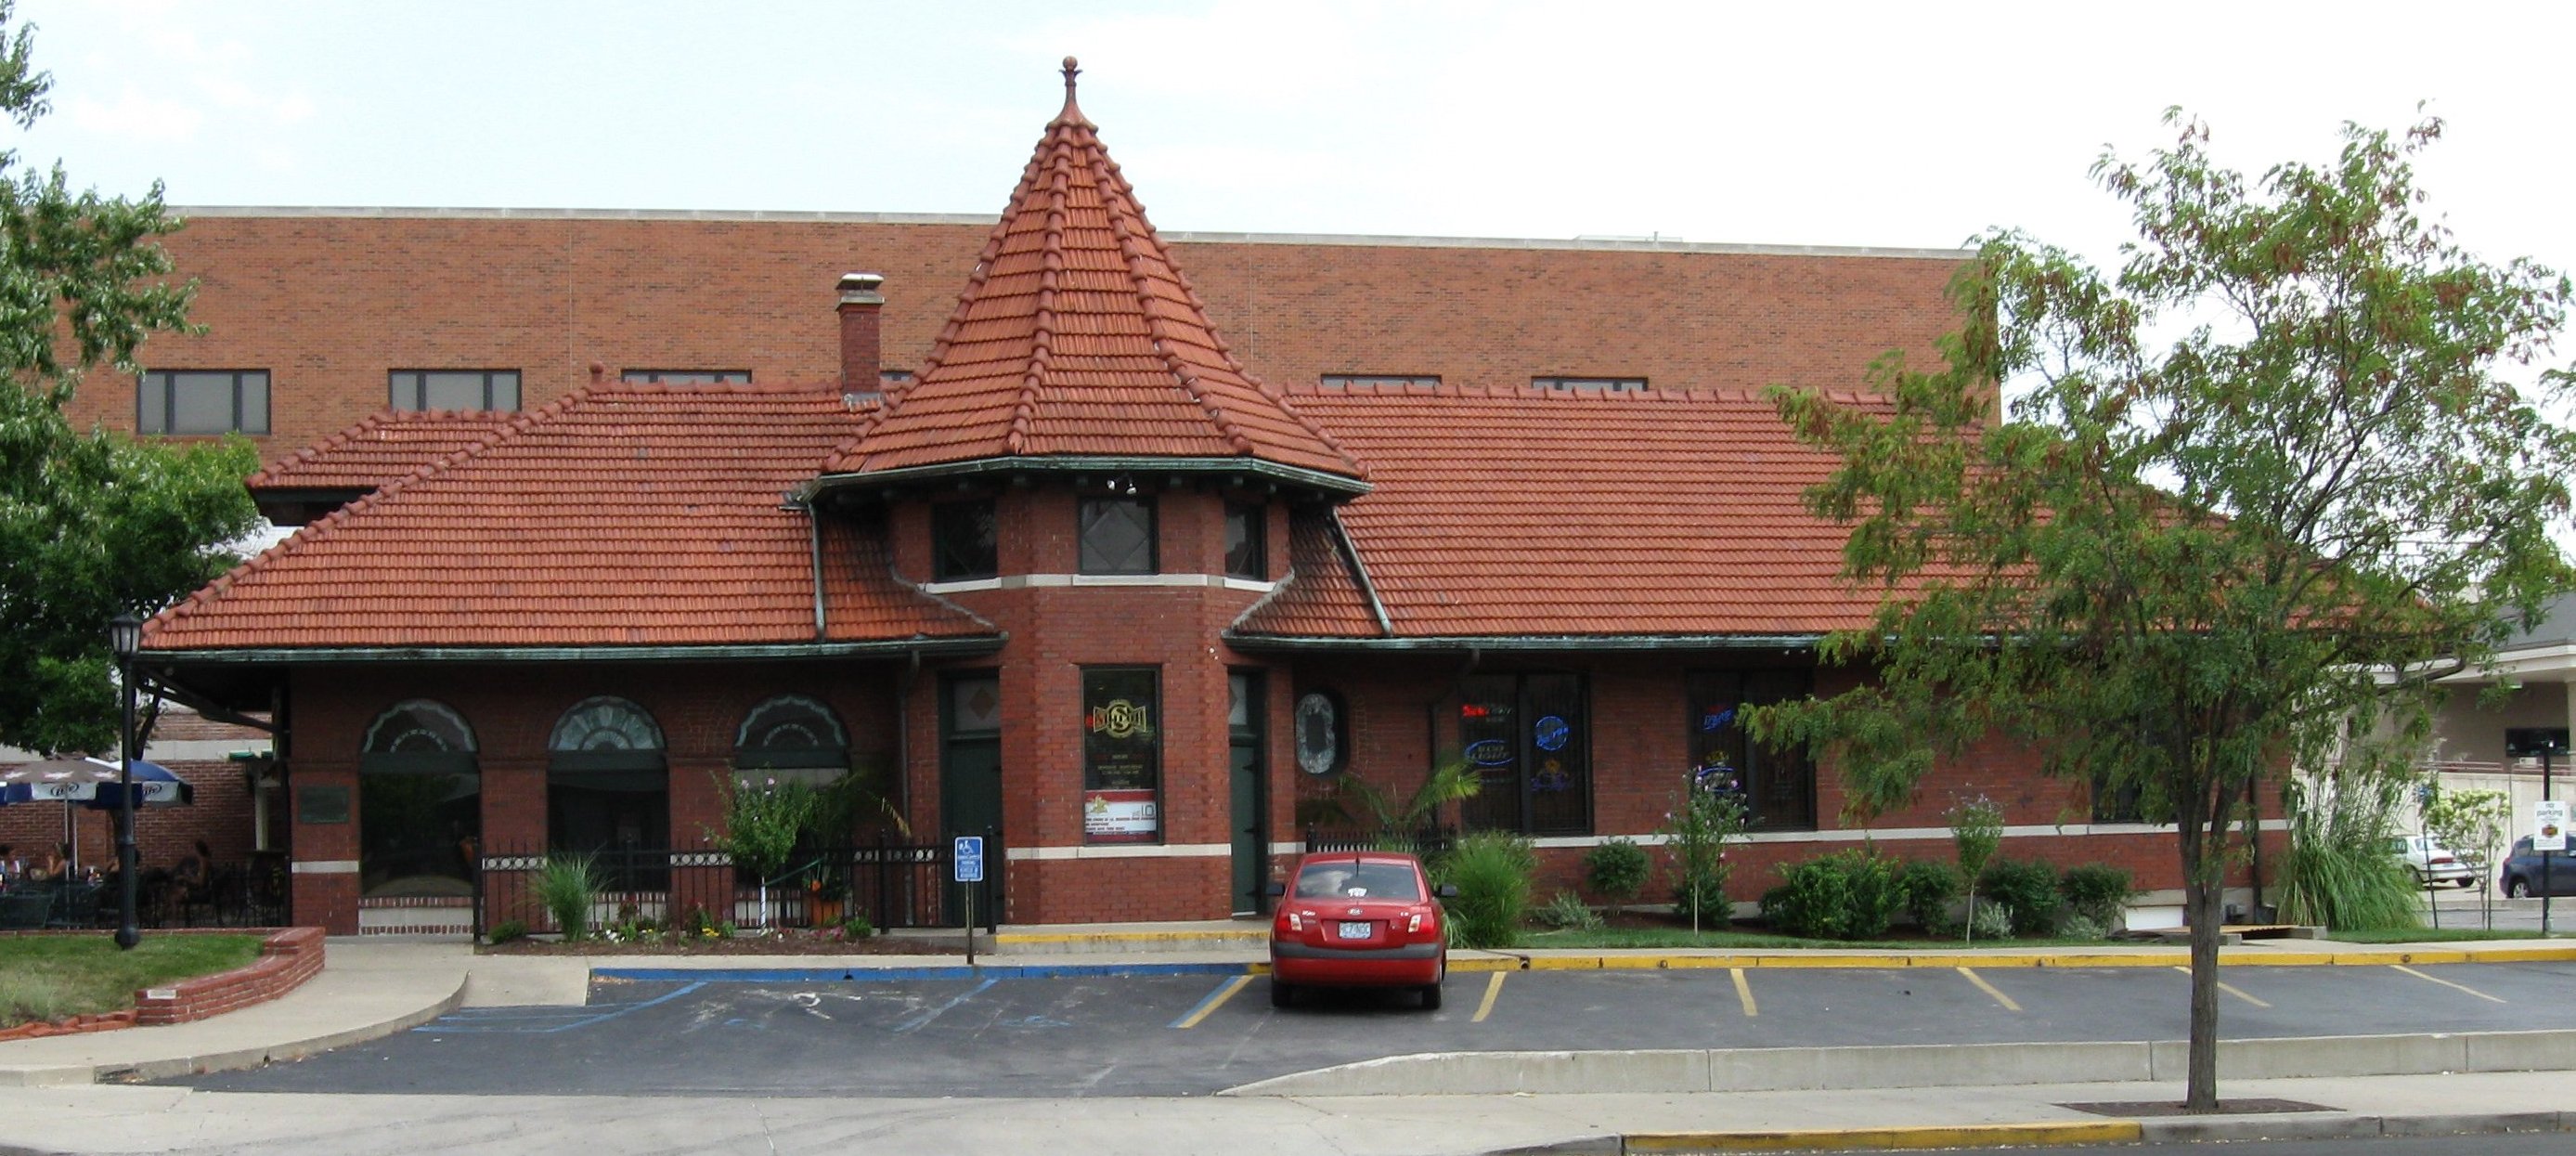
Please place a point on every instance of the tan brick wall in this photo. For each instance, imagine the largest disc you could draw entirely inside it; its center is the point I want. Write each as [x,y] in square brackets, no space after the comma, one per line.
[329,304]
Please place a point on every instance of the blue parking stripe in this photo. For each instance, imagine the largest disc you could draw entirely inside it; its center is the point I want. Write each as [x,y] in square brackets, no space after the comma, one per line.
[918,1020]
[543,1021]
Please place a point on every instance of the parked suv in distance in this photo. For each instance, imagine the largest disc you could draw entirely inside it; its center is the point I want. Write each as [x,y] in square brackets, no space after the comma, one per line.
[2432,862]
[2520,877]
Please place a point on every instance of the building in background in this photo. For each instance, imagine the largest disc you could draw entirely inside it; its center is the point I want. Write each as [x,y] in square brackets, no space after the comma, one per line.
[1126,567]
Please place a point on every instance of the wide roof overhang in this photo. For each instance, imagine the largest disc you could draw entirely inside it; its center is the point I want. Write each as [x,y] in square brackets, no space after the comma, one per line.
[241,678]
[1500,643]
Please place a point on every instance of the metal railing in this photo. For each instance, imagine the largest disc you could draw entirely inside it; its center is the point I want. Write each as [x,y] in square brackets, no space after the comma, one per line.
[1427,843]
[242,894]
[893,885]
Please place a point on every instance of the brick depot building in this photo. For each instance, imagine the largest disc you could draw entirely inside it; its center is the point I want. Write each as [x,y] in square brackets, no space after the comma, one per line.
[1067,565]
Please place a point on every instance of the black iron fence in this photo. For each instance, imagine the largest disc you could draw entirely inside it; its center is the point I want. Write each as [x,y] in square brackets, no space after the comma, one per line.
[1428,843]
[251,893]
[893,885]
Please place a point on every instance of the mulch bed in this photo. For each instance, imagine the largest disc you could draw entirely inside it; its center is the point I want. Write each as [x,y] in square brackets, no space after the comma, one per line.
[778,943]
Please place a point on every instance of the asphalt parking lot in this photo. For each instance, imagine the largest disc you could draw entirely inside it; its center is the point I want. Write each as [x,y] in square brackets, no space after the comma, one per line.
[948,1032]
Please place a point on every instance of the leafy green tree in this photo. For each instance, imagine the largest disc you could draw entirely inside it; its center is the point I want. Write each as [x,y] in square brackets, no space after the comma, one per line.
[91,523]
[2255,491]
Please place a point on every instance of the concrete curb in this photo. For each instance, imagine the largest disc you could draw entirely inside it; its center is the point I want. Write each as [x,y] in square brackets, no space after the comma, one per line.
[1918,1065]
[2060,1133]
[225,1059]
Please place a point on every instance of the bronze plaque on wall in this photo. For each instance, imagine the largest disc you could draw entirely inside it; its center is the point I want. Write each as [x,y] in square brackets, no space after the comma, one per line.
[321,804]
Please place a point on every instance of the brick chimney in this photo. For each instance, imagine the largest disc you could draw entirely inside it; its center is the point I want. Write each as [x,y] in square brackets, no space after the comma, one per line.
[860,304]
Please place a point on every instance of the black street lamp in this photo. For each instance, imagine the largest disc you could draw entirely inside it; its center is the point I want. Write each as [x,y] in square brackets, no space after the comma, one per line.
[125,636]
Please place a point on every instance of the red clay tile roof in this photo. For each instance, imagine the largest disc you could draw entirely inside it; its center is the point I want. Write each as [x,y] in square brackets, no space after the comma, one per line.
[1529,512]
[1078,337]
[620,515]
[378,450]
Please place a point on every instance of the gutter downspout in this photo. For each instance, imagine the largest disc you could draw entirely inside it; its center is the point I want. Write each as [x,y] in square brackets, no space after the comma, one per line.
[902,804]
[803,502]
[1368,589]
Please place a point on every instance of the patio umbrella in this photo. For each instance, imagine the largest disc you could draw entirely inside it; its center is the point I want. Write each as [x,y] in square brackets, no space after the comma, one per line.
[92,783]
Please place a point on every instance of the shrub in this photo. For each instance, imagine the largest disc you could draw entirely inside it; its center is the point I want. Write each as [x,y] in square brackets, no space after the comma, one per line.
[1846,895]
[1617,871]
[1700,825]
[567,886]
[1568,912]
[2338,872]
[857,927]
[506,931]
[2029,888]
[1926,889]
[695,923]
[1991,920]
[2077,925]
[37,999]
[1491,870]
[2097,892]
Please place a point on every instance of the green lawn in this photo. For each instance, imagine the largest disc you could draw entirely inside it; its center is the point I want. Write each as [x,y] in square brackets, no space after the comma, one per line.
[1681,937]
[48,977]
[2434,935]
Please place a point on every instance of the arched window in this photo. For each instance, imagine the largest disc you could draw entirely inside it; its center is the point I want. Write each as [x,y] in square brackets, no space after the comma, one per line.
[608,786]
[597,726]
[419,736]
[420,803]
[791,732]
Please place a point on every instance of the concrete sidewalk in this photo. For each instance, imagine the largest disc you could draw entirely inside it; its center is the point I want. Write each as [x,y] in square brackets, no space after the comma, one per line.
[113,1119]
[376,986]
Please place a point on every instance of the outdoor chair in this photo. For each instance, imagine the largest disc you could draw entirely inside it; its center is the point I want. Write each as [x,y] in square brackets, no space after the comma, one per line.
[25,910]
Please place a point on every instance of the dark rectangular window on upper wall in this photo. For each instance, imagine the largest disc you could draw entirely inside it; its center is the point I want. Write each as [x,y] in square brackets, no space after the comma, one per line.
[686,376]
[963,543]
[1529,737]
[1777,787]
[1592,384]
[1247,541]
[456,389]
[1122,754]
[1117,536]
[201,401]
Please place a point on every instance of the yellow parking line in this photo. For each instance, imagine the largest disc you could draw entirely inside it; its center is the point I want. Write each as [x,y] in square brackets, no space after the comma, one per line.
[1213,1002]
[2445,983]
[1989,989]
[1744,992]
[2230,989]
[1493,987]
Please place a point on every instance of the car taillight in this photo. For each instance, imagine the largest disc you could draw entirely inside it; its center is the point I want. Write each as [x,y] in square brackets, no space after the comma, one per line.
[1290,920]
[1414,925]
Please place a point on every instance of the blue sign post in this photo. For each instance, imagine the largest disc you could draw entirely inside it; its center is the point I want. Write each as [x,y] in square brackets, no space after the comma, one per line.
[969,861]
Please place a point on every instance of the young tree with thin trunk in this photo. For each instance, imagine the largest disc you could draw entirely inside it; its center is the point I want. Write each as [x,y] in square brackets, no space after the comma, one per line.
[2253,493]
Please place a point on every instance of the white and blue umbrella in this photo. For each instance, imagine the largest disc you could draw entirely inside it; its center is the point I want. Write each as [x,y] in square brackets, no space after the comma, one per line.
[91,783]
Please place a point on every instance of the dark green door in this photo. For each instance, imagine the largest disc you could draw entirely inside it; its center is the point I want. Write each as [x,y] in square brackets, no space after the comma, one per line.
[1251,819]
[970,767]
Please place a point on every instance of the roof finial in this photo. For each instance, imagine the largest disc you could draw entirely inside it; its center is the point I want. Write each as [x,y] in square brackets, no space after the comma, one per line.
[1072,68]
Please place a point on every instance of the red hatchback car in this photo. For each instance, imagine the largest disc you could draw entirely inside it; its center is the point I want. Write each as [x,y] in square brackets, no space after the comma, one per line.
[1358,919]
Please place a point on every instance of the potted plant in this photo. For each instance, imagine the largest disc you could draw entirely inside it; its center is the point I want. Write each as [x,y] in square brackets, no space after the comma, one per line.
[825,899]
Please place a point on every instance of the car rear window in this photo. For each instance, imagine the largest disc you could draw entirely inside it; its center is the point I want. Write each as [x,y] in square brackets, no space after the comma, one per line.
[1358,881]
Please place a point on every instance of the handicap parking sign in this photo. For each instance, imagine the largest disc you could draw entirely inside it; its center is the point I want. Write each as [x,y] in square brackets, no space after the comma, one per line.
[970,858]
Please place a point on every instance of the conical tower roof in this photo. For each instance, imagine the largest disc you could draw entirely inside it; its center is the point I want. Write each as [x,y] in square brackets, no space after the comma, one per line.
[1078,341]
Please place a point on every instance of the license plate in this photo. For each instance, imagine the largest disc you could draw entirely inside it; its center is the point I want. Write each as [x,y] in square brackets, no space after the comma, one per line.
[1356,930]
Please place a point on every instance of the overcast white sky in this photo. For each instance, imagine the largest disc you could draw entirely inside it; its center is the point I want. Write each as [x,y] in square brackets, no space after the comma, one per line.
[1830,124]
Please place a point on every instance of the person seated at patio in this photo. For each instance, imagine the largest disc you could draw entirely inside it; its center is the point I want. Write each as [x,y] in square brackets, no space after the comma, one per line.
[51,866]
